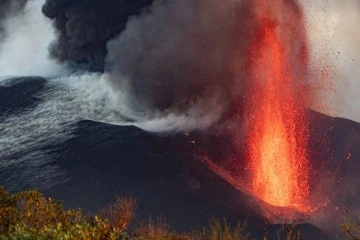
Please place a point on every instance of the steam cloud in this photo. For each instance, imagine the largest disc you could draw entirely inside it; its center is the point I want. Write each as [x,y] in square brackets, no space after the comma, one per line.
[25,36]
[9,7]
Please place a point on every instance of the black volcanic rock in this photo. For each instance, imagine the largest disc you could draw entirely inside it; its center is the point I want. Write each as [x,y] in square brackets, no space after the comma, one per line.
[335,161]
[102,161]
[17,94]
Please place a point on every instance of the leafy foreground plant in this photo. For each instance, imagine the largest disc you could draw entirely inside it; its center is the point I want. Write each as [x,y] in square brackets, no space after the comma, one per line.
[156,230]
[287,232]
[29,215]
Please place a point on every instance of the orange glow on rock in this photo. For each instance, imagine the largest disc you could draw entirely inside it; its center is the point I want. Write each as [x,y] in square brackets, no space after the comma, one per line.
[278,134]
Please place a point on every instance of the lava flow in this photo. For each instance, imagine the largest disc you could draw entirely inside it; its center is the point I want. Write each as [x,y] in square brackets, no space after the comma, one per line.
[278,136]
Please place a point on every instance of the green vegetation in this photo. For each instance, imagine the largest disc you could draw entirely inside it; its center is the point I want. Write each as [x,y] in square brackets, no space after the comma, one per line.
[29,215]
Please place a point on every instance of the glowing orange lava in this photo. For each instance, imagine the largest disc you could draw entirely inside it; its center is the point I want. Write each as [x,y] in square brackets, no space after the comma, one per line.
[278,135]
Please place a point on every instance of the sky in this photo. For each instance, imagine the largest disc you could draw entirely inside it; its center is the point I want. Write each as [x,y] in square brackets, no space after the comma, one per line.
[334,35]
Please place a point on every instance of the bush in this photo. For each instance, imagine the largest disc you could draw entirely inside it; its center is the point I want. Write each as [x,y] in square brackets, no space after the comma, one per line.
[222,231]
[29,215]
[120,213]
[287,232]
[157,230]
[351,227]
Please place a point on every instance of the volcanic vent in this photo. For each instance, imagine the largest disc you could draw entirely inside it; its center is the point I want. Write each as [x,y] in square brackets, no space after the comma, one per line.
[269,158]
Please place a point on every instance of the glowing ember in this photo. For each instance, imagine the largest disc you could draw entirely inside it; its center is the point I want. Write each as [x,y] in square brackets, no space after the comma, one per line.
[278,136]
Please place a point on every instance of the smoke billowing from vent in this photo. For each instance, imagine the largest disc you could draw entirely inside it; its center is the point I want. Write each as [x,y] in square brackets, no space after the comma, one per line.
[168,56]
[183,58]
[84,27]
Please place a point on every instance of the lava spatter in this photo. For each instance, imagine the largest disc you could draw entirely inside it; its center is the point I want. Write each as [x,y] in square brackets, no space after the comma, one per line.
[278,135]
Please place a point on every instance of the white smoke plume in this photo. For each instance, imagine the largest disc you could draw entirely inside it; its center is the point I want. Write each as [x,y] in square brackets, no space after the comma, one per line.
[24,47]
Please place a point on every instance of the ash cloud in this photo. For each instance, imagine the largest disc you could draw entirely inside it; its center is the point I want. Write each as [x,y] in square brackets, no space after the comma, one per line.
[183,61]
[84,27]
[183,58]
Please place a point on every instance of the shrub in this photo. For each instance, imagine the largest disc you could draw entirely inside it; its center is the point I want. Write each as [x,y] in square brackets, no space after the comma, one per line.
[351,227]
[29,215]
[156,230]
[222,231]
[287,232]
[120,212]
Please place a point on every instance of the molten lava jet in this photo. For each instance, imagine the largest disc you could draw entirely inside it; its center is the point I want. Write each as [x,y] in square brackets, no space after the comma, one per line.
[278,133]
[267,156]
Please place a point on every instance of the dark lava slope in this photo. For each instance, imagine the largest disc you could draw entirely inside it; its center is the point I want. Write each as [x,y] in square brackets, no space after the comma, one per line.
[165,175]
[18,94]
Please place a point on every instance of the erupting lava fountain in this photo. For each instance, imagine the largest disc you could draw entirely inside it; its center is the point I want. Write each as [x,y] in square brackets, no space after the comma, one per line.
[277,107]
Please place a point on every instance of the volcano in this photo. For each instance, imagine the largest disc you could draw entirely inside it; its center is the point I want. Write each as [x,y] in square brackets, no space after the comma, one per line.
[163,173]
[333,152]
[198,109]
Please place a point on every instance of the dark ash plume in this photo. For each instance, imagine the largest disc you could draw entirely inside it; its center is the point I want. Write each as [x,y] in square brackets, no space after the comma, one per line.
[84,27]
[183,58]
